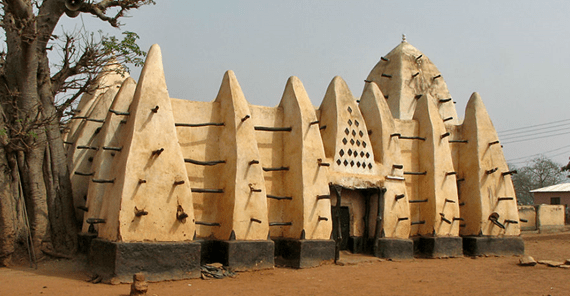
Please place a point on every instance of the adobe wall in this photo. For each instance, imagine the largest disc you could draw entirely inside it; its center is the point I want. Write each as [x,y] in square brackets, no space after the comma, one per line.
[163,169]
[244,174]
[404,73]
[200,143]
[487,193]
[528,216]
[388,154]
[110,142]
[550,218]
[147,196]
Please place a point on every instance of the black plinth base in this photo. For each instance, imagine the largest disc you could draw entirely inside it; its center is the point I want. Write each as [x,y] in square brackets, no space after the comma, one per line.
[117,262]
[210,251]
[84,242]
[303,253]
[357,244]
[239,255]
[440,247]
[500,246]
[416,240]
[247,255]
[394,248]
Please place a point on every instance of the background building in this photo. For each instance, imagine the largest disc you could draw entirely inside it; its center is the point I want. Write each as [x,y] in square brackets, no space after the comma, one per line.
[553,195]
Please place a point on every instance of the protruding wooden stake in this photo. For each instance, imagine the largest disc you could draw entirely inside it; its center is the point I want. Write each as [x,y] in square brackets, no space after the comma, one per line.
[140,213]
[157,152]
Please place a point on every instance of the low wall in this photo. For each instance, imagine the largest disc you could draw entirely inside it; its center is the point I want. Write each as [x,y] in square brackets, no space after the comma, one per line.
[544,218]
[550,218]
[527,216]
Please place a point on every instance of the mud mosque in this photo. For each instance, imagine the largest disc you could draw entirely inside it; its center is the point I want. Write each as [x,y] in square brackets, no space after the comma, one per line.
[163,185]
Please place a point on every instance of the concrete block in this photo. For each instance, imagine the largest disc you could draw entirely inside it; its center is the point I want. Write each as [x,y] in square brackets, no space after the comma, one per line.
[84,240]
[394,248]
[303,253]
[116,262]
[500,246]
[438,247]
[246,255]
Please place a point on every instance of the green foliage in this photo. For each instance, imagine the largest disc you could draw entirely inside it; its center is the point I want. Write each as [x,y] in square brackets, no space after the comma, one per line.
[88,55]
[538,173]
[126,49]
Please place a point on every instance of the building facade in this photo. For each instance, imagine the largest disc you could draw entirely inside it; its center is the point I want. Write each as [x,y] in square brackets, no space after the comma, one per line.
[558,194]
[164,184]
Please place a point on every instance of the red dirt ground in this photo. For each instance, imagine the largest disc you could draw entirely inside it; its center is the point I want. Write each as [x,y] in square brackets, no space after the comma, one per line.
[358,275]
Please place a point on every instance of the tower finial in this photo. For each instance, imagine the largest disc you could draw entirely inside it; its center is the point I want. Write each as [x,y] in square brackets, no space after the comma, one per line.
[403,37]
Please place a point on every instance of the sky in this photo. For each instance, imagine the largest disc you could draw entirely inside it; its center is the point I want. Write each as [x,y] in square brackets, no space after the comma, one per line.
[515,54]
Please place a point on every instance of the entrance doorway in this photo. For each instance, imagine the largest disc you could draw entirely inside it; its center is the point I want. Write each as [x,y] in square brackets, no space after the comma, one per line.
[354,213]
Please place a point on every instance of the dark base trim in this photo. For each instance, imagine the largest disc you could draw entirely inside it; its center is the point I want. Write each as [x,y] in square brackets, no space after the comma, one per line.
[357,244]
[209,253]
[394,248]
[238,255]
[303,253]
[116,262]
[440,247]
[84,242]
[416,241]
[500,246]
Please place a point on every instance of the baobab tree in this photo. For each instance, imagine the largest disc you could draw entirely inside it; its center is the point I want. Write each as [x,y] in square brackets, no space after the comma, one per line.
[36,207]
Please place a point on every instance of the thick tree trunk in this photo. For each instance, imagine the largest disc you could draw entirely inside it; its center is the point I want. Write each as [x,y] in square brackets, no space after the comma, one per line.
[33,167]
[40,174]
[31,173]
[12,223]
[14,230]
[8,221]
[48,200]
[41,161]
[59,195]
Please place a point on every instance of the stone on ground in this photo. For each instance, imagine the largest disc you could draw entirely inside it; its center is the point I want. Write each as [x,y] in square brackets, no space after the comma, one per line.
[527,260]
[551,263]
[139,286]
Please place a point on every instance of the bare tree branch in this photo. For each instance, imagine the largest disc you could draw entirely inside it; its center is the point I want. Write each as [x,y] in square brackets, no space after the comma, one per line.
[84,57]
[83,89]
[100,9]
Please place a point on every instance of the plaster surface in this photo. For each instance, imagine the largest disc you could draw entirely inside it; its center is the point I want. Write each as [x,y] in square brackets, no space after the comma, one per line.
[550,217]
[528,214]
[228,172]
[150,170]
[388,156]
[492,190]
[405,73]
[109,137]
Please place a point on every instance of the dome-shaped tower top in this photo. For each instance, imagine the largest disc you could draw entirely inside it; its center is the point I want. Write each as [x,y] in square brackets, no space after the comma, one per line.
[404,75]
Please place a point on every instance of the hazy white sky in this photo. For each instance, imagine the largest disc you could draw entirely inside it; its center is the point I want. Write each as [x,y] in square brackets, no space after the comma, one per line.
[516,54]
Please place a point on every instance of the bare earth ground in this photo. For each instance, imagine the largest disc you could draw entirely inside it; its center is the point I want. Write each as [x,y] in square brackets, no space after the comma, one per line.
[359,275]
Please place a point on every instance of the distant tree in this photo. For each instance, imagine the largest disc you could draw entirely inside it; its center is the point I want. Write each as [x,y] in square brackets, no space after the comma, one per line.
[36,206]
[539,172]
[566,168]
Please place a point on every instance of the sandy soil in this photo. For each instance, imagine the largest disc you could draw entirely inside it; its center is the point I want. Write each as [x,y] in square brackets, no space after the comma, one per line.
[359,275]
